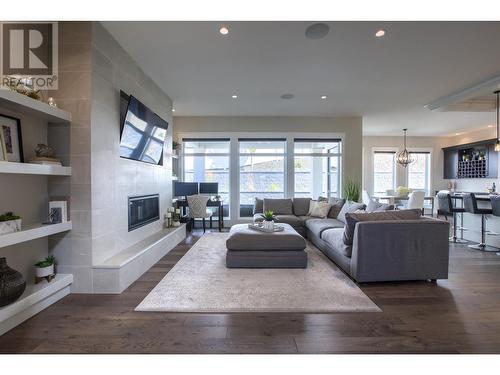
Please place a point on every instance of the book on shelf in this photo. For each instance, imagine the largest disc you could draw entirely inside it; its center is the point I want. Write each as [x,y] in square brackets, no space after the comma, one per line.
[45,161]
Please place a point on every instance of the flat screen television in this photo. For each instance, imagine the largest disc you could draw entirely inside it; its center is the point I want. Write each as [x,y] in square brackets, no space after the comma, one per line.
[143,133]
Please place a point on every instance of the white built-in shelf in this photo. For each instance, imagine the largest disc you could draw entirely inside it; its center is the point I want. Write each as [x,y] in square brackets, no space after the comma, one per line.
[33,232]
[27,168]
[175,178]
[21,103]
[130,253]
[35,298]
[175,156]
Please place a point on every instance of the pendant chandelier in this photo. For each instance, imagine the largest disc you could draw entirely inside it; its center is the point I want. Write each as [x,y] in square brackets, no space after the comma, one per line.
[497,143]
[404,158]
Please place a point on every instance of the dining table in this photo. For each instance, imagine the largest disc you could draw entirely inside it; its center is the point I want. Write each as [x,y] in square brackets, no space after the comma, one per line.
[393,199]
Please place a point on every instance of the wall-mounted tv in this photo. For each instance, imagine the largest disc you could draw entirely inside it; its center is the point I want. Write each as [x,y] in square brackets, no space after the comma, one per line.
[143,133]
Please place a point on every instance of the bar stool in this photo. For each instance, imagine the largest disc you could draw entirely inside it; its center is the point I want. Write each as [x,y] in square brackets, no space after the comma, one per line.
[446,208]
[470,205]
[495,204]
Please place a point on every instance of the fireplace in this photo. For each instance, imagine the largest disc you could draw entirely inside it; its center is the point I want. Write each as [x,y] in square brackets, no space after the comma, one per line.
[142,210]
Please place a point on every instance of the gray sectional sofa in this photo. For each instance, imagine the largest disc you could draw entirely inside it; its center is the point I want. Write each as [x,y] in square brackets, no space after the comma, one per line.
[379,244]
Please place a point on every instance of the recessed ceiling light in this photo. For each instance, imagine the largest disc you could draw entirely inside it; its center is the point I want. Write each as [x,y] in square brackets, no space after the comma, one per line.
[317,31]
[458,133]
[323,96]
[173,109]
[224,30]
[380,33]
[490,126]
[287,96]
[234,96]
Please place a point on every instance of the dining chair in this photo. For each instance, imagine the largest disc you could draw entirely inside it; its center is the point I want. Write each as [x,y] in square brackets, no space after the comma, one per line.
[366,197]
[416,200]
[197,205]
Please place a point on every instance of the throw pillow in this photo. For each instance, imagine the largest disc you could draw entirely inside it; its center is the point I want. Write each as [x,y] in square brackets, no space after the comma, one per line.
[312,206]
[336,204]
[258,206]
[352,218]
[349,206]
[279,206]
[375,206]
[320,209]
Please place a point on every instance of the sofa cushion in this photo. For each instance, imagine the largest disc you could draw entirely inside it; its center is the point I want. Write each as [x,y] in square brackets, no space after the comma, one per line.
[319,209]
[301,206]
[258,206]
[335,238]
[293,220]
[375,206]
[348,207]
[353,218]
[243,238]
[317,226]
[304,218]
[279,206]
[337,204]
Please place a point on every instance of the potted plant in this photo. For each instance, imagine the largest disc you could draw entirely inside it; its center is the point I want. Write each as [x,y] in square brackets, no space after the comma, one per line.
[351,191]
[175,147]
[45,269]
[269,218]
[10,223]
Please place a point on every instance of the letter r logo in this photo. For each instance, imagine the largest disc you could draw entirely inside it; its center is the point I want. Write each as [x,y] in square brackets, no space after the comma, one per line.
[27,48]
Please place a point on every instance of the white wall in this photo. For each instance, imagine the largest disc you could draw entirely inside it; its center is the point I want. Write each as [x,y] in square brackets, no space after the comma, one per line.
[432,144]
[115,178]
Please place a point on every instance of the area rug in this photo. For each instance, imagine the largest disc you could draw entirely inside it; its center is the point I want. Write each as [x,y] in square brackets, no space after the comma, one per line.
[200,282]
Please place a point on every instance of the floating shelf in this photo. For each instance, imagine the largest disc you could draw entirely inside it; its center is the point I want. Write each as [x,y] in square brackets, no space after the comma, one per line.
[35,298]
[21,103]
[27,168]
[33,232]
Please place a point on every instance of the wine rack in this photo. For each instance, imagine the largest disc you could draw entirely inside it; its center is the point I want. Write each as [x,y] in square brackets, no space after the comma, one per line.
[472,169]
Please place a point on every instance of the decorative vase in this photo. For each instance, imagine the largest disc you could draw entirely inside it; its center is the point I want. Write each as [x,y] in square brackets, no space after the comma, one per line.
[10,226]
[268,224]
[12,283]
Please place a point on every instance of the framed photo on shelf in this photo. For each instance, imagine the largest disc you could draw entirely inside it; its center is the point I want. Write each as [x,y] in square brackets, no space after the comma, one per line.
[3,154]
[10,128]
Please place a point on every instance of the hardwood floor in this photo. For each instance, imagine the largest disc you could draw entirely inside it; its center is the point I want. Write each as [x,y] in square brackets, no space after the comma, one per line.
[458,315]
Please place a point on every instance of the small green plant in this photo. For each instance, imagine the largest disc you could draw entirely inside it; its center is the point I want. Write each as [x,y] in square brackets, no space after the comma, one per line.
[175,145]
[268,215]
[47,262]
[351,191]
[9,216]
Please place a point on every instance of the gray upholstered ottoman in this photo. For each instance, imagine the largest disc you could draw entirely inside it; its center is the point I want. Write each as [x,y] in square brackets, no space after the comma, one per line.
[248,248]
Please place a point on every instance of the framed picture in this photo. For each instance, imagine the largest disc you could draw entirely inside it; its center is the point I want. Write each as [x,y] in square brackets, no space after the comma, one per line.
[12,139]
[3,154]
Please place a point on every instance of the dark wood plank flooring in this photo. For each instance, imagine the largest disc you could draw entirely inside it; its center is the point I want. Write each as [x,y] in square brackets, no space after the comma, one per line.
[458,315]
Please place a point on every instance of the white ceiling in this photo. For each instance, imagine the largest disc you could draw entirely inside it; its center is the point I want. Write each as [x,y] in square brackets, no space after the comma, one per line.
[386,80]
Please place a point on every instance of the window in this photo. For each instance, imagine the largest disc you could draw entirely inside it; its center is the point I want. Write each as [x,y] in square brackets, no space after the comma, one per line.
[207,160]
[384,172]
[262,171]
[418,173]
[317,167]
